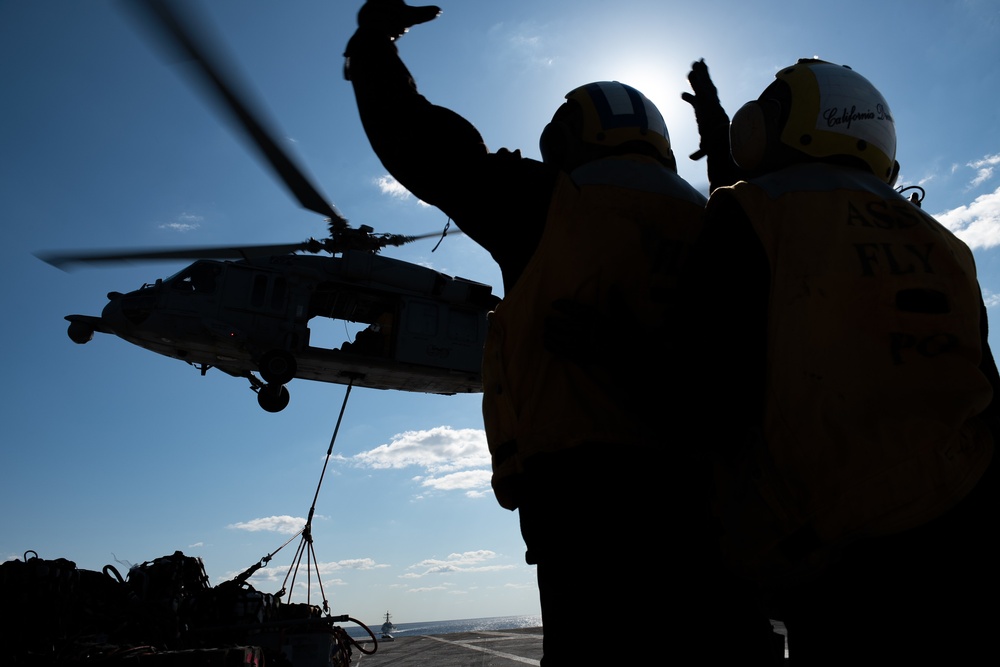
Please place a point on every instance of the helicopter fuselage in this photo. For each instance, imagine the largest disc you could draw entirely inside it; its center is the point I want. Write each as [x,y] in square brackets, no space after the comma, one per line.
[425,330]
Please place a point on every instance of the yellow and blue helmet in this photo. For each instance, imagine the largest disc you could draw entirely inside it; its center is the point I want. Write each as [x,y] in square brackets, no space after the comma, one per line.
[610,114]
[822,110]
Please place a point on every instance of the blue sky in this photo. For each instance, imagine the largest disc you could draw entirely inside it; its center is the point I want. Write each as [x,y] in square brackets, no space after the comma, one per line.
[113,453]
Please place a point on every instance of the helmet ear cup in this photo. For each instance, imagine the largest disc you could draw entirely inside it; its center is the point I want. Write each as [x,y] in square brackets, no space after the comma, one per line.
[556,143]
[748,136]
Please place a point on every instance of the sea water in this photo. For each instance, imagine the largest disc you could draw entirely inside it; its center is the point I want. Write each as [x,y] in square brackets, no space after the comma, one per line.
[476,625]
[445,627]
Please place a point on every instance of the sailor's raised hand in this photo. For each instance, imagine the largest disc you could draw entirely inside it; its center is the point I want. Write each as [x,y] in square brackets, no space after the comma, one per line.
[713,123]
[394,17]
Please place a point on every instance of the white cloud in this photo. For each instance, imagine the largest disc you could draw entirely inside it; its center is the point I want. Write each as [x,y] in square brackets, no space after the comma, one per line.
[978,223]
[530,47]
[278,573]
[469,561]
[286,525]
[466,480]
[440,450]
[359,564]
[522,44]
[185,222]
[526,585]
[429,589]
[388,185]
[984,169]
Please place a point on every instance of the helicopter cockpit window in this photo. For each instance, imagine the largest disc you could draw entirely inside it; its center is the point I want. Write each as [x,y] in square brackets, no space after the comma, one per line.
[198,278]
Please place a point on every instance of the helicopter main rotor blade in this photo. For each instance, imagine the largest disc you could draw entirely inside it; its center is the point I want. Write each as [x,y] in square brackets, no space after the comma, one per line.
[350,239]
[62,261]
[181,34]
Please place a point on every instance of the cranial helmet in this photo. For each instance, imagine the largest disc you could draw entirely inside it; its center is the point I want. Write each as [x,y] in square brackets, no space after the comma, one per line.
[821,110]
[606,114]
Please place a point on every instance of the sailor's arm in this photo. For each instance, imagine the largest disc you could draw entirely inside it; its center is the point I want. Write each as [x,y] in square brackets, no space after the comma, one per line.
[427,148]
[499,200]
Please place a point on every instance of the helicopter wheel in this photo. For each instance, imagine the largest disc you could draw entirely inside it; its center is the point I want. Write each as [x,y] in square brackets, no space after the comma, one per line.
[80,333]
[277,367]
[273,397]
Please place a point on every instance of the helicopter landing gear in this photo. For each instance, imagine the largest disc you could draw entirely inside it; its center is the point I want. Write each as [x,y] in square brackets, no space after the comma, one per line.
[277,367]
[273,397]
[80,333]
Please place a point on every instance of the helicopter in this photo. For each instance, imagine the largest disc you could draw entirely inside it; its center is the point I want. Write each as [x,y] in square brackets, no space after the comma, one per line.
[246,310]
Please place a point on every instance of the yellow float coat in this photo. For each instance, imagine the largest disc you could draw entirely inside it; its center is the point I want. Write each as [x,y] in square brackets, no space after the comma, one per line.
[873,355]
[614,235]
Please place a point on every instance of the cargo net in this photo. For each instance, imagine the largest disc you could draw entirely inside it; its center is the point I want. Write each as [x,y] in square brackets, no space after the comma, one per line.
[165,612]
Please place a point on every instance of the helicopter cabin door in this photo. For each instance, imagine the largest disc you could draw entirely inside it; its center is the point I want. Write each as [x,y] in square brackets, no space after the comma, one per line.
[442,335]
[260,308]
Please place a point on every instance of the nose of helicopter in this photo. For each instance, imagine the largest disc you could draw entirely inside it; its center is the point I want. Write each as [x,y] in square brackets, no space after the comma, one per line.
[127,311]
[112,314]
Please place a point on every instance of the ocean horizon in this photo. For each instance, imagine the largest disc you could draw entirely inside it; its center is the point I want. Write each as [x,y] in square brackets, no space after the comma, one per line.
[444,627]
[489,623]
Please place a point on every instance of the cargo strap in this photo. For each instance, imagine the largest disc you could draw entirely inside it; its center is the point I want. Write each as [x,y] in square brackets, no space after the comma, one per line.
[306,548]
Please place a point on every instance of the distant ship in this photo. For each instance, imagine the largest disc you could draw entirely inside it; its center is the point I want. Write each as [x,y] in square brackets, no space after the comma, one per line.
[387,628]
